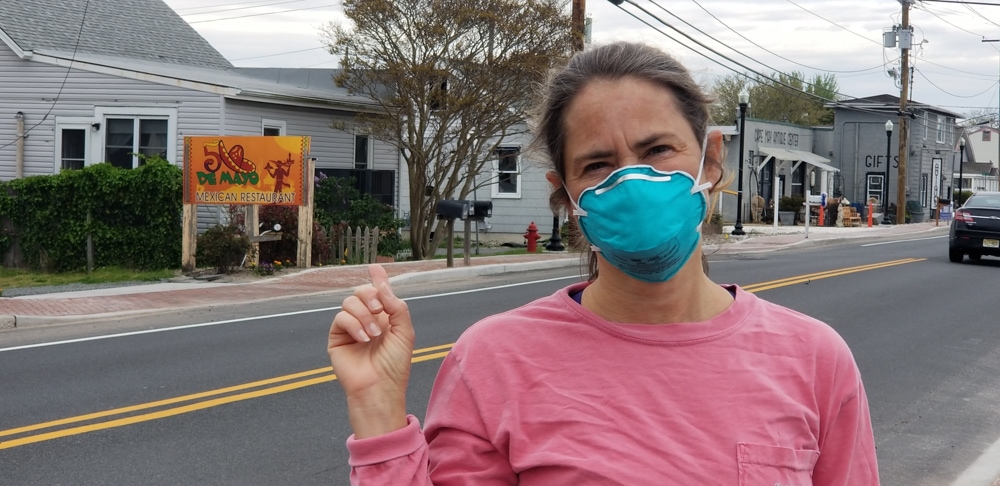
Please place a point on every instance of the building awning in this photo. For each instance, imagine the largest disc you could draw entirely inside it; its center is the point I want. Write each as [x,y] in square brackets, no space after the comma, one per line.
[799,155]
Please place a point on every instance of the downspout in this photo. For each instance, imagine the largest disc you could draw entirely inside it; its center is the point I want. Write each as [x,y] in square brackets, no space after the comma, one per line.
[19,151]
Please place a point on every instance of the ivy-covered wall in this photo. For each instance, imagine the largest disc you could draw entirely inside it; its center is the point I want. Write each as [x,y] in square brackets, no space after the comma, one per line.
[135,216]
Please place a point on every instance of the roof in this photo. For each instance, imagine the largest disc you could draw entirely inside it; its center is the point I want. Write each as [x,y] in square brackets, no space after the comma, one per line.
[321,79]
[147,40]
[887,102]
[134,29]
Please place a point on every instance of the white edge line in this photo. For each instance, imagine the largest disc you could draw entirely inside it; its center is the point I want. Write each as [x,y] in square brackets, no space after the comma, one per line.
[269,316]
[984,471]
[904,241]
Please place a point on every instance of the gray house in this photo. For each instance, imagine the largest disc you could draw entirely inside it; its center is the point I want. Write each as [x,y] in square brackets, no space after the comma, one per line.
[862,148]
[89,82]
[779,160]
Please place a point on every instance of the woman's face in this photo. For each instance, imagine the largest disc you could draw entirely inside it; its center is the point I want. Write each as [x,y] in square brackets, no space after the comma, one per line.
[612,124]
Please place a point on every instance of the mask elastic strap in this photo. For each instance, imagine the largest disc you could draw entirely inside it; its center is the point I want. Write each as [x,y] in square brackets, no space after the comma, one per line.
[577,210]
[701,168]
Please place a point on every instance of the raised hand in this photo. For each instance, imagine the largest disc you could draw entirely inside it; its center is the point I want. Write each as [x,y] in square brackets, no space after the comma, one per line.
[370,347]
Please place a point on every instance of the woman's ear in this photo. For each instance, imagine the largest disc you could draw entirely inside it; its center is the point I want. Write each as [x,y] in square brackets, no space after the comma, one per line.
[554,179]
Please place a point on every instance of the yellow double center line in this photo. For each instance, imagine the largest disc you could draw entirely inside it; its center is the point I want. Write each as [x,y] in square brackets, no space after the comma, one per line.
[827,274]
[225,395]
[213,398]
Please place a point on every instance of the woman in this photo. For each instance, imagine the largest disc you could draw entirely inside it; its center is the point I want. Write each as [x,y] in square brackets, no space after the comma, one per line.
[649,373]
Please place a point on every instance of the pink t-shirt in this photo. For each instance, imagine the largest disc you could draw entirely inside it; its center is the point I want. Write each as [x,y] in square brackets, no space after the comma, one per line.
[551,394]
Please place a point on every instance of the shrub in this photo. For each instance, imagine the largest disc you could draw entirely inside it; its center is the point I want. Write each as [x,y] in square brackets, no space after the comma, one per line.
[791,203]
[222,247]
[338,203]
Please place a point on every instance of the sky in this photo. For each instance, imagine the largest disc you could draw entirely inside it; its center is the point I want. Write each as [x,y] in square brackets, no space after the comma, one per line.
[953,68]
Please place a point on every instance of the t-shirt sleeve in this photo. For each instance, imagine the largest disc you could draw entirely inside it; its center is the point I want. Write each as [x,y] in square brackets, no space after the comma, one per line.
[399,457]
[847,448]
[463,449]
[454,448]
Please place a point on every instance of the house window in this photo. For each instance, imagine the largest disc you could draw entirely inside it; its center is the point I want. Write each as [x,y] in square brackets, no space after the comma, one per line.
[508,172]
[986,135]
[924,190]
[127,138]
[798,176]
[73,148]
[272,128]
[940,129]
[362,151]
[875,188]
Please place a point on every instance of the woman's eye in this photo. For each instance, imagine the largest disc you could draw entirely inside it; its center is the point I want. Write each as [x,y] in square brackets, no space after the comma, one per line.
[595,166]
[657,150]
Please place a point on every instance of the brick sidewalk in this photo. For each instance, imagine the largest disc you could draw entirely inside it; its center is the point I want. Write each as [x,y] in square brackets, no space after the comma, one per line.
[312,281]
[325,279]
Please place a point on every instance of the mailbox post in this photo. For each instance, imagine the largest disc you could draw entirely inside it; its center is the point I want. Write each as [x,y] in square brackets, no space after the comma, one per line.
[468,211]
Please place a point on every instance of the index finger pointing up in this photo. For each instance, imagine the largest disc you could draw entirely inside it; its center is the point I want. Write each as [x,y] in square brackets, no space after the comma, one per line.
[380,280]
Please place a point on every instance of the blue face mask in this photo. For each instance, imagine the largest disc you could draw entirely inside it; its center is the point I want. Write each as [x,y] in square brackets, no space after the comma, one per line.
[645,222]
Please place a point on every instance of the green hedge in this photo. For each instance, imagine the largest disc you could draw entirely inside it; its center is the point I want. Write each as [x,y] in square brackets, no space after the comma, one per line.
[135,216]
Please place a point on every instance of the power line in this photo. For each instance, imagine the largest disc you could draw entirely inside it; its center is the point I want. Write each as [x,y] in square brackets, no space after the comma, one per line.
[69,69]
[832,22]
[991,88]
[776,54]
[277,54]
[241,7]
[260,14]
[793,90]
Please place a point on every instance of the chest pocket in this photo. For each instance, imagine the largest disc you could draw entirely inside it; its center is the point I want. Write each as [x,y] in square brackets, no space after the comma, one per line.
[764,465]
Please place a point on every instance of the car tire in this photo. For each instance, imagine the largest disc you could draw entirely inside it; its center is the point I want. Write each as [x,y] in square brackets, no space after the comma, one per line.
[975,257]
[955,255]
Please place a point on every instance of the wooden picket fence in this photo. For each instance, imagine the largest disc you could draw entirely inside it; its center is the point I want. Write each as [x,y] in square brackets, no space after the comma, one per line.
[356,245]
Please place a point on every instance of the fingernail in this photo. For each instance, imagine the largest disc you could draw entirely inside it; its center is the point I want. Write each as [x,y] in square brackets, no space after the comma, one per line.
[362,336]
[374,305]
[374,329]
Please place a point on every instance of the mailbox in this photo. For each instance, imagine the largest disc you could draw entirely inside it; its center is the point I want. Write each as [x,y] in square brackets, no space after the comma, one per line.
[453,209]
[482,210]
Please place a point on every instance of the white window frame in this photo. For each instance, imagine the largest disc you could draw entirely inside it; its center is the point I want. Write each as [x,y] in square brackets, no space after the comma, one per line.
[279,124]
[370,156]
[941,124]
[73,123]
[102,113]
[495,187]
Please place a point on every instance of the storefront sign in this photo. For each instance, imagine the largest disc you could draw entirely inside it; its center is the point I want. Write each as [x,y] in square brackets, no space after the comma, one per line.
[245,170]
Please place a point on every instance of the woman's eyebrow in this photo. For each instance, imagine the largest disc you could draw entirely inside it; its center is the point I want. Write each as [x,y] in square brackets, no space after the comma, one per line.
[664,137]
[593,154]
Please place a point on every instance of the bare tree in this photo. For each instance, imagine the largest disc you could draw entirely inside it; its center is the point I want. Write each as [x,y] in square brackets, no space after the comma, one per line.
[454,77]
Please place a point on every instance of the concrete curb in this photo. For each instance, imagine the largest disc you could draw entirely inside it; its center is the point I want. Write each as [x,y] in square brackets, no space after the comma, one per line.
[484,270]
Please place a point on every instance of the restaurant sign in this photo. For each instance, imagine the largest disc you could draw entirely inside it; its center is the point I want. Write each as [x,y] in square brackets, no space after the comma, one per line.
[245,170]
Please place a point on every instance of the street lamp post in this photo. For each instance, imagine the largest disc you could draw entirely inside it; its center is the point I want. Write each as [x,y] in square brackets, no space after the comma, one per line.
[555,242]
[998,119]
[961,175]
[885,184]
[738,229]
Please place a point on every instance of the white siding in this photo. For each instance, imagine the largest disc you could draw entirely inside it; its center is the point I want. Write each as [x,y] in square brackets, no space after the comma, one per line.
[332,147]
[33,88]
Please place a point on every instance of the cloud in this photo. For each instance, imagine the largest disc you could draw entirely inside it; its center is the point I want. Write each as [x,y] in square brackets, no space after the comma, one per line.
[955,70]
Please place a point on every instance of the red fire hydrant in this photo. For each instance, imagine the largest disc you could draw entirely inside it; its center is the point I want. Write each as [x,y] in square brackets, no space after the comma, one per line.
[532,237]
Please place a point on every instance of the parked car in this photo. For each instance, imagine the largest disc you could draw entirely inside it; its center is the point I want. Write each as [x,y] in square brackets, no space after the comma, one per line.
[975,229]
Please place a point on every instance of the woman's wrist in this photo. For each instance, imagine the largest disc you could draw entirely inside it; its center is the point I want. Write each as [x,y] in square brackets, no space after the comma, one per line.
[372,416]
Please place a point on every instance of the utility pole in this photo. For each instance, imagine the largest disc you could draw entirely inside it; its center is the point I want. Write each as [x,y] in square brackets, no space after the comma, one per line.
[904,118]
[579,24]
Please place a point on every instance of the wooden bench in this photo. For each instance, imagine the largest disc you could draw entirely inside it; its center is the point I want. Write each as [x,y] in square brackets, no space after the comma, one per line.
[850,217]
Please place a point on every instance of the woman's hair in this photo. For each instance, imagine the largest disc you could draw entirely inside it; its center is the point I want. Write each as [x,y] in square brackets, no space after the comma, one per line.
[614,62]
